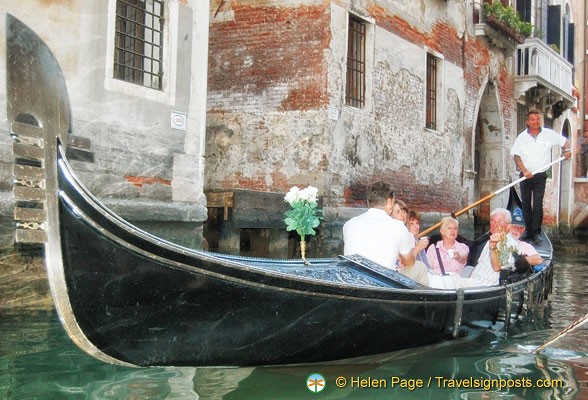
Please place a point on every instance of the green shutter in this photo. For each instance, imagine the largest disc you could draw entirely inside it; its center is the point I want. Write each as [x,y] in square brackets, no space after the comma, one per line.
[554,25]
[570,49]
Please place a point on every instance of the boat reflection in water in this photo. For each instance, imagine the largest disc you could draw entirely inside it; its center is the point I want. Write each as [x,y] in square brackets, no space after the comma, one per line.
[39,361]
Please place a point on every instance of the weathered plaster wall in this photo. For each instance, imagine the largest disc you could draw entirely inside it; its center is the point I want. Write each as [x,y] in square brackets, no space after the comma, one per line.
[248,90]
[267,83]
[274,68]
[138,158]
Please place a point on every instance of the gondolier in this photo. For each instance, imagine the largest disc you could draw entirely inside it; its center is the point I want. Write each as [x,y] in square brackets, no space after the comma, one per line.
[531,151]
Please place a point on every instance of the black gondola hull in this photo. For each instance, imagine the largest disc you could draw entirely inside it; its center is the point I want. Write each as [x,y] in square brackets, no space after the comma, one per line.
[127,297]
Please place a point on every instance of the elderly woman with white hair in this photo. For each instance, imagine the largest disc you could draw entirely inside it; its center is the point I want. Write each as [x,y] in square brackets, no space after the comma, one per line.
[448,255]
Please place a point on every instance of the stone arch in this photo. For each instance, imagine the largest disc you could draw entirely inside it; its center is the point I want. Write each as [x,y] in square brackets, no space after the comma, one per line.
[488,153]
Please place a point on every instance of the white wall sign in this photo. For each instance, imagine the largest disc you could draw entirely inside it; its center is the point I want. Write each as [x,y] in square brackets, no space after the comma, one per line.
[178,120]
[333,113]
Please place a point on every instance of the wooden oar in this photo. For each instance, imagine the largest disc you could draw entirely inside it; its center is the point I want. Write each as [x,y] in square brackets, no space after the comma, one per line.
[570,328]
[437,225]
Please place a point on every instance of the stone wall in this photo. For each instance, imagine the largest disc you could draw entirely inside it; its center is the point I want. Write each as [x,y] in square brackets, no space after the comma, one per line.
[139,159]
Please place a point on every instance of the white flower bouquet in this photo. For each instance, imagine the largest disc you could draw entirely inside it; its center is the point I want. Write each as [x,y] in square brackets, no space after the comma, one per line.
[303,217]
[506,252]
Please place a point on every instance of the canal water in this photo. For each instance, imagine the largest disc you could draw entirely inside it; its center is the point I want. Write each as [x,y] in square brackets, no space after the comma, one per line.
[38,361]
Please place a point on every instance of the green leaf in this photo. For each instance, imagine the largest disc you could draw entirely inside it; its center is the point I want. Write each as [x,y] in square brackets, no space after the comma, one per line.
[303,217]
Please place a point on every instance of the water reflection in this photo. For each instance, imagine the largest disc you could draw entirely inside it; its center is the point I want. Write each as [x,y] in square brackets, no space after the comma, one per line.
[39,361]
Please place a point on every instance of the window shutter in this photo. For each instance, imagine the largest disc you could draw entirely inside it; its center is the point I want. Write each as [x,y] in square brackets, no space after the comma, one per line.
[570,49]
[543,25]
[554,25]
[524,10]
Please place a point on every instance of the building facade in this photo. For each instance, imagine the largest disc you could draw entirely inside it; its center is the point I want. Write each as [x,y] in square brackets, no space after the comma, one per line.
[136,76]
[243,99]
[338,94]
[580,206]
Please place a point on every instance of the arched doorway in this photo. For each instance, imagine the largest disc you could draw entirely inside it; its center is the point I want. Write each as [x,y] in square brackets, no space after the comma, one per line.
[489,156]
[565,184]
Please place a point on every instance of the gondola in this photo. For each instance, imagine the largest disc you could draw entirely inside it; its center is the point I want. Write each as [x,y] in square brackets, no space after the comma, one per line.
[130,298]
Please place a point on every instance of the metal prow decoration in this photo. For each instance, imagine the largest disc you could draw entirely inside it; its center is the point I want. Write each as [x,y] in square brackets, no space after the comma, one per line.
[38,111]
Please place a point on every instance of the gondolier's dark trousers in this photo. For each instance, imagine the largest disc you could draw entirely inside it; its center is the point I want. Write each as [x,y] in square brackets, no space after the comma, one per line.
[532,191]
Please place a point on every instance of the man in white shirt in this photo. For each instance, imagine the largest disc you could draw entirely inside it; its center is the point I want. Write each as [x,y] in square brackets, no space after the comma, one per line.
[532,151]
[377,236]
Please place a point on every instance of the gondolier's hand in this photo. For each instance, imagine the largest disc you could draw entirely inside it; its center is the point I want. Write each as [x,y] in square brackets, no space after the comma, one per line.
[528,174]
[567,153]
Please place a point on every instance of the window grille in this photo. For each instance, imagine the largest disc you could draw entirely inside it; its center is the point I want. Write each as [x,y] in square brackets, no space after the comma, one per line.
[522,114]
[356,63]
[138,42]
[431,96]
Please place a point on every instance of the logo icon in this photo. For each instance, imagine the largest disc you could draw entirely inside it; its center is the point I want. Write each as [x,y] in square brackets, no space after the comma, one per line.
[315,383]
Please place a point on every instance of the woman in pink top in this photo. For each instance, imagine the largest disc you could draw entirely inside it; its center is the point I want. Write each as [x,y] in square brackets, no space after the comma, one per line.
[453,254]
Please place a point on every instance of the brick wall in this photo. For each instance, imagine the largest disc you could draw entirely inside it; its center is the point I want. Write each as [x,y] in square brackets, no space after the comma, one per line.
[268,58]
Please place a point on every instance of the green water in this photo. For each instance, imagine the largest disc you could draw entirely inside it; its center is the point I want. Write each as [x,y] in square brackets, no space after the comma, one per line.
[38,361]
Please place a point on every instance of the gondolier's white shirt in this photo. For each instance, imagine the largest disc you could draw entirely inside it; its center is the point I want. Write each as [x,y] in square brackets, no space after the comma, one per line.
[377,236]
[535,152]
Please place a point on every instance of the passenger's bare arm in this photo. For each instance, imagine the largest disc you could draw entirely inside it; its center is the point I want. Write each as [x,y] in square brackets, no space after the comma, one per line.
[407,259]
[493,242]
[534,259]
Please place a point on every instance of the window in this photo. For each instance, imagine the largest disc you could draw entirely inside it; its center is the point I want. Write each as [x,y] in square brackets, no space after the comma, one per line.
[356,63]
[138,48]
[431,92]
[522,114]
[524,10]
[554,25]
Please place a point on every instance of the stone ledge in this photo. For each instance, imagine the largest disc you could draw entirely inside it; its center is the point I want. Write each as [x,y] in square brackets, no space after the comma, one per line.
[153,210]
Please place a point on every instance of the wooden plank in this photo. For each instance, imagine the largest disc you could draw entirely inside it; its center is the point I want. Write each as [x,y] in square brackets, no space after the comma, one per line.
[19,128]
[219,199]
[28,194]
[28,172]
[28,236]
[30,214]
[32,152]
[249,199]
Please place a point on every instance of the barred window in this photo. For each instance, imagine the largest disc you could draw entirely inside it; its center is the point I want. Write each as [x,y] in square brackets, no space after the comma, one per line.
[522,114]
[431,95]
[356,63]
[138,42]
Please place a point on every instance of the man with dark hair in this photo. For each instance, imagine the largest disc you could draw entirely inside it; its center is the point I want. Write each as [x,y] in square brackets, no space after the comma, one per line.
[532,151]
[378,194]
[378,237]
